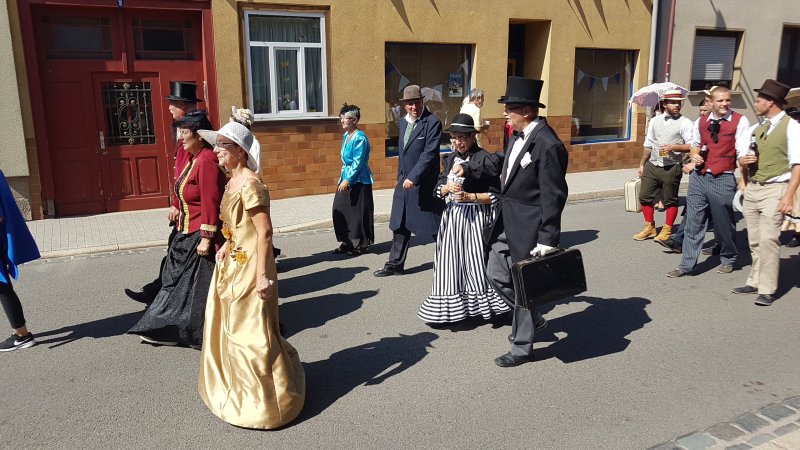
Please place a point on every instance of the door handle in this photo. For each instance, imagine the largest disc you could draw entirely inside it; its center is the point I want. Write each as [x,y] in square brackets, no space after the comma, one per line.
[102,142]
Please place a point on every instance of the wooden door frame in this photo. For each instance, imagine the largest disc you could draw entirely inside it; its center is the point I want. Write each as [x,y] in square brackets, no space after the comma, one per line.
[33,70]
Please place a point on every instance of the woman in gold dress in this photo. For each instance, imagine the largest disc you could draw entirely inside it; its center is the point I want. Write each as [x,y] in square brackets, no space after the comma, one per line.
[250,376]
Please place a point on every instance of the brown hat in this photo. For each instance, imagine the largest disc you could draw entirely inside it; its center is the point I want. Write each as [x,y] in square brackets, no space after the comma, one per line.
[411,92]
[775,90]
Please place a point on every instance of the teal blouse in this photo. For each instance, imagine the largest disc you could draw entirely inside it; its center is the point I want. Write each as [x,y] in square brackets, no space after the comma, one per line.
[355,155]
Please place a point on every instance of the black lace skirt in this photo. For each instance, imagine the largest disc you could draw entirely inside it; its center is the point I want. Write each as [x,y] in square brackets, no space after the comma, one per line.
[178,311]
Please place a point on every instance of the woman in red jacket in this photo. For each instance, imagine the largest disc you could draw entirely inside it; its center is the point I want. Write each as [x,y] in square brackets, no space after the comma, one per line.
[177,313]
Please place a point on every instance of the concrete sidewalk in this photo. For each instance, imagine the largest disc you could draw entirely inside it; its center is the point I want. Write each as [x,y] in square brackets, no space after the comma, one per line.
[127,230]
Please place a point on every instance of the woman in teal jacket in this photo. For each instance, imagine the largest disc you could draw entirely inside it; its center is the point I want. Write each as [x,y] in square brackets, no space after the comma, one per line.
[353,207]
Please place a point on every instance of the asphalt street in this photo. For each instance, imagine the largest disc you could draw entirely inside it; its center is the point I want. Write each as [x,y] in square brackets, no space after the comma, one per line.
[637,360]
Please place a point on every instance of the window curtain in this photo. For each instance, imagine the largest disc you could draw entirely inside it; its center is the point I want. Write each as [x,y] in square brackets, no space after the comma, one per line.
[259,69]
[314,98]
[284,29]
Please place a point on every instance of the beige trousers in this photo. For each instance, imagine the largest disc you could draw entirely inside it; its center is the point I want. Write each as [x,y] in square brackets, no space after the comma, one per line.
[763,230]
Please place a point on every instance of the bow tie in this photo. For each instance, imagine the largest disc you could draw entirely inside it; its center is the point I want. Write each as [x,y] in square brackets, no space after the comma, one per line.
[714,129]
[518,134]
[667,117]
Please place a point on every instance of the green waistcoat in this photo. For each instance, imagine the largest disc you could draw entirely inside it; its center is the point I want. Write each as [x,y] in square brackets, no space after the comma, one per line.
[773,151]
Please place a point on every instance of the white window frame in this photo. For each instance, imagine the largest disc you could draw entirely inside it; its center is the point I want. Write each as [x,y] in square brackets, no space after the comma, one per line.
[299,47]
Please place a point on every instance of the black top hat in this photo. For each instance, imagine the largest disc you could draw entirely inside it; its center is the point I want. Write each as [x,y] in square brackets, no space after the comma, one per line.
[183,91]
[462,123]
[775,90]
[523,91]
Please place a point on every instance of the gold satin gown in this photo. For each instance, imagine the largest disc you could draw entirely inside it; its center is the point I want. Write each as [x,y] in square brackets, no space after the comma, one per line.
[250,376]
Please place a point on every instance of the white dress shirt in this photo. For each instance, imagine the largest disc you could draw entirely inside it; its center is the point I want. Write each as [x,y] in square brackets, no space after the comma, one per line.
[518,144]
[792,144]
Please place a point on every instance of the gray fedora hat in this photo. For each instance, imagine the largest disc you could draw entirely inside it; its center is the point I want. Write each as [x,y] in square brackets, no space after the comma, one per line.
[411,92]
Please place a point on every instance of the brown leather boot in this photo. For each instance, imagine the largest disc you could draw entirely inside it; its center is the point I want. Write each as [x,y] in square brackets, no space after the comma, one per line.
[665,233]
[648,232]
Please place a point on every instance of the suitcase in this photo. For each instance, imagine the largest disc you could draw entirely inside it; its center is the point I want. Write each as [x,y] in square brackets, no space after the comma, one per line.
[541,280]
[632,189]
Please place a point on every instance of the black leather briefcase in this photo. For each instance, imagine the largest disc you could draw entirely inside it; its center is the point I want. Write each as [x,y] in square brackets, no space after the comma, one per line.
[541,280]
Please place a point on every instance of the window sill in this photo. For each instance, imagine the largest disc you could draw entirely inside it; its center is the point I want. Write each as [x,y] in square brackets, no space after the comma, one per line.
[266,120]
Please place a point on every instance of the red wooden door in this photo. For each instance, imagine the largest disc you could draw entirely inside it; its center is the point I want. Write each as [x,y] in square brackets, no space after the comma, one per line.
[131,141]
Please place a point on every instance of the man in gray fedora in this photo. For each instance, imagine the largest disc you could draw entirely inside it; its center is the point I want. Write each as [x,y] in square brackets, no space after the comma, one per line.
[415,209]
[533,192]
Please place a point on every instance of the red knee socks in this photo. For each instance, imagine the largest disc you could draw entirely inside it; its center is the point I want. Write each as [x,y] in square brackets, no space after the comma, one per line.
[672,214]
[649,212]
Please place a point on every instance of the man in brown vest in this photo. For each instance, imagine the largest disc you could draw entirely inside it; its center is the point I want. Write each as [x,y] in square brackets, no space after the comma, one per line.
[719,138]
[774,173]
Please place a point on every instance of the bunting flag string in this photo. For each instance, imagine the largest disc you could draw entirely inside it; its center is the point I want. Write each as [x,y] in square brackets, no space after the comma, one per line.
[404,81]
[603,80]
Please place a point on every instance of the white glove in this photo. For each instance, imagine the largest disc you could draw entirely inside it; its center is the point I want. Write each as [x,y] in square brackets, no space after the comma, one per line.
[541,250]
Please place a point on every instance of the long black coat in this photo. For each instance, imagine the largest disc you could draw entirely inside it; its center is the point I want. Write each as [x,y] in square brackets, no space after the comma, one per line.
[417,209]
[533,197]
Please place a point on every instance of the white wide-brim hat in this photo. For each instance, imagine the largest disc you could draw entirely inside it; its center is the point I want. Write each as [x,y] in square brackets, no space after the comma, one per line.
[239,134]
[738,201]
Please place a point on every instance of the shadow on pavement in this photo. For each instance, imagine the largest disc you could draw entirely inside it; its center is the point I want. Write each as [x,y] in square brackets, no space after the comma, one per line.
[103,328]
[314,312]
[317,281]
[601,329]
[787,275]
[369,364]
[578,237]
[288,263]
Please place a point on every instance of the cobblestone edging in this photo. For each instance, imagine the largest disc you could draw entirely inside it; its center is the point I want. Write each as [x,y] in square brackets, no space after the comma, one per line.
[777,424]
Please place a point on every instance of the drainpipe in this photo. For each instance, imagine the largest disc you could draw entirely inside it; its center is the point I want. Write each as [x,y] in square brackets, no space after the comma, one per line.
[653,33]
[668,58]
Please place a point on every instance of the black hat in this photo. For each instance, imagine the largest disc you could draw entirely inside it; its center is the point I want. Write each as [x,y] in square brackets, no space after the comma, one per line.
[523,91]
[775,90]
[183,91]
[462,123]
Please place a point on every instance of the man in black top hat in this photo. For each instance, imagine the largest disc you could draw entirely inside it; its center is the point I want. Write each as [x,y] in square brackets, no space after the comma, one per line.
[182,99]
[533,192]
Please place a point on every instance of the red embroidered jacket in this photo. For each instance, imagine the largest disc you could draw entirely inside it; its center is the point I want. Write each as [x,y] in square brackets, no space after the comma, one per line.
[198,192]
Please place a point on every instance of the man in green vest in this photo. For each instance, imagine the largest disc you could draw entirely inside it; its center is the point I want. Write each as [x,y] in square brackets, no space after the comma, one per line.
[773,174]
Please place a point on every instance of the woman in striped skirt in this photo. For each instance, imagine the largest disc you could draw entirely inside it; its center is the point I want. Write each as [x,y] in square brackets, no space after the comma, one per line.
[460,286]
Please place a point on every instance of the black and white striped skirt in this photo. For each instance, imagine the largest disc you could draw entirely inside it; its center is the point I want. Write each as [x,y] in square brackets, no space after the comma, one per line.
[460,286]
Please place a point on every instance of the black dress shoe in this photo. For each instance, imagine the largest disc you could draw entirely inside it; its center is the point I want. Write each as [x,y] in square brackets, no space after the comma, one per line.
[141,297]
[764,299]
[509,360]
[387,272]
[745,290]
[671,245]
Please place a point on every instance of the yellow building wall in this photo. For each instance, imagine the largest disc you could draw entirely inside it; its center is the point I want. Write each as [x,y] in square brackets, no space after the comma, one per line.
[359,29]
[301,157]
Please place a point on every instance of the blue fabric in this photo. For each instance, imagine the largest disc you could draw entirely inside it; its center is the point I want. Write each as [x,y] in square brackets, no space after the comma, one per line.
[18,245]
[355,155]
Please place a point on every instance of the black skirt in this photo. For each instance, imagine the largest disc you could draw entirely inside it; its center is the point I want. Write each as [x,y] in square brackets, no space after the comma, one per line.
[353,215]
[178,311]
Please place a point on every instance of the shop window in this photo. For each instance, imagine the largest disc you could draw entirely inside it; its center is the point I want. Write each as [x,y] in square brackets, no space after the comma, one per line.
[441,71]
[286,64]
[713,58]
[70,37]
[603,82]
[163,39]
[789,62]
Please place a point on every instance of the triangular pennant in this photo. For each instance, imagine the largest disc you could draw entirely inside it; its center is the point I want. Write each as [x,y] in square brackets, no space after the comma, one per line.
[580,77]
[591,82]
[604,80]
[403,83]
[617,77]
